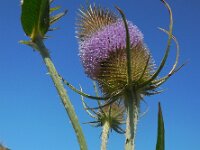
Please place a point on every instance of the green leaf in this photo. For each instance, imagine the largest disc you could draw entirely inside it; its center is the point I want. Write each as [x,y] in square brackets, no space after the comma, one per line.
[161,130]
[35,17]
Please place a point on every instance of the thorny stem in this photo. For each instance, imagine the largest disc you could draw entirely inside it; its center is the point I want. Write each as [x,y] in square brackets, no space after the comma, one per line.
[104,136]
[131,100]
[62,93]
[131,121]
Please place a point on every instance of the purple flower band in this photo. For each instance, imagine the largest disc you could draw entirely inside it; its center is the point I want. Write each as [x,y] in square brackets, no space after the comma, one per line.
[98,47]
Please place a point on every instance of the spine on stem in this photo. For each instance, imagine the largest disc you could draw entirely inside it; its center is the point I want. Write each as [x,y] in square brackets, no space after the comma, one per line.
[132,119]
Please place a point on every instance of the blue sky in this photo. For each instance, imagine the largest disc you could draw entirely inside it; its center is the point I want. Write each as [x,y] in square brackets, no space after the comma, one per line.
[31,114]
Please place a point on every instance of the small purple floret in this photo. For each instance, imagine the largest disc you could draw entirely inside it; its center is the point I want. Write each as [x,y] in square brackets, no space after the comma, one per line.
[97,48]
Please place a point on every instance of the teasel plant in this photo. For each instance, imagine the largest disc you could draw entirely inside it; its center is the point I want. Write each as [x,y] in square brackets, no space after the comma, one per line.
[113,54]
[37,20]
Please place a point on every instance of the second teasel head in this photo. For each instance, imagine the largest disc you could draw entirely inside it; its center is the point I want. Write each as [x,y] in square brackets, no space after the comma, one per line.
[111,115]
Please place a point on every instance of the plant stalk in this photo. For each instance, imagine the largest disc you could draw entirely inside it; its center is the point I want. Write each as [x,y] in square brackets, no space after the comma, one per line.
[104,136]
[62,93]
[131,121]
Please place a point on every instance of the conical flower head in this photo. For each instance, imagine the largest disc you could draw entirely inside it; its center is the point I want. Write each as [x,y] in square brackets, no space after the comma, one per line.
[103,51]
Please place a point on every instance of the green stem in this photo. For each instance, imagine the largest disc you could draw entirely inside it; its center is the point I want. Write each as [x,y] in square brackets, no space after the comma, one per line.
[131,100]
[132,119]
[104,136]
[62,93]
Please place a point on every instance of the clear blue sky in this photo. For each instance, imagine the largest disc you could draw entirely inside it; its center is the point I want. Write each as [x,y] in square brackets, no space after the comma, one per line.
[31,114]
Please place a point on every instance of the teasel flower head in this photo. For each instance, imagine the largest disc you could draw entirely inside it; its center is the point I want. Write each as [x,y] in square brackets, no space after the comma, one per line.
[102,45]
[114,54]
